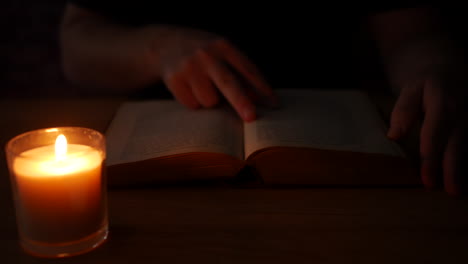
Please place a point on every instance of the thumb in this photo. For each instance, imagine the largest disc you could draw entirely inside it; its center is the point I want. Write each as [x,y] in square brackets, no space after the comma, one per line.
[406,110]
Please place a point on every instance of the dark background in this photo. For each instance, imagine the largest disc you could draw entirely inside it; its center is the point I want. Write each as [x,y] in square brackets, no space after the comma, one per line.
[30,51]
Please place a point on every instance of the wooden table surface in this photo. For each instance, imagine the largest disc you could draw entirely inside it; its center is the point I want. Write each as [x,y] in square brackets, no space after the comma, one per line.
[208,224]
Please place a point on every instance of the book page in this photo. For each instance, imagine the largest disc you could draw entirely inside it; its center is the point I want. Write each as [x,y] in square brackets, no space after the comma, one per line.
[151,129]
[325,119]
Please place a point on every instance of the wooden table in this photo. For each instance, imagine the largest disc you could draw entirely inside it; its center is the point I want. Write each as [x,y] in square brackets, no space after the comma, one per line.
[207,224]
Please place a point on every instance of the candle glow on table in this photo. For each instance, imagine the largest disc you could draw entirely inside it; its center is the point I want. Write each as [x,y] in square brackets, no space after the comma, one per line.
[59,199]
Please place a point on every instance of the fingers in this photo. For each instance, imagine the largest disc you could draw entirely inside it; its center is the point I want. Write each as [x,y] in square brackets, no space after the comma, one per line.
[248,70]
[220,69]
[455,156]
[443,146]
[229,85]
[434,134]
[182,91]
[406,111]
[205,92]
[201,86]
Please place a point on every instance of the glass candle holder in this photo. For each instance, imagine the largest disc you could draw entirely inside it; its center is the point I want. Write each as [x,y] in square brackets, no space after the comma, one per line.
[59,187]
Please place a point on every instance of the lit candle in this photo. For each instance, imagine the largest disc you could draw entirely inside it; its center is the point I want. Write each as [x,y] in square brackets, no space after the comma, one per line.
[59,193]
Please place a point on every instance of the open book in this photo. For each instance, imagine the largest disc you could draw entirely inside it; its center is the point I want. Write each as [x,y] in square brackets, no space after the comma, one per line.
[316,137]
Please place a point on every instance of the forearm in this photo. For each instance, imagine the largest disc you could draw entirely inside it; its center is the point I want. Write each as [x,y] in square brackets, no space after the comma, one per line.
[411,42]
[104,56]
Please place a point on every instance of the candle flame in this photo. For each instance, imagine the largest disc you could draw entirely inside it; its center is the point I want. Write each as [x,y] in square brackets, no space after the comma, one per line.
[60,147]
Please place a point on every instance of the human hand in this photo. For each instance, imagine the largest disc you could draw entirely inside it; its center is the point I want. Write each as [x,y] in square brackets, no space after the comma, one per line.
[199,68]
[435,88]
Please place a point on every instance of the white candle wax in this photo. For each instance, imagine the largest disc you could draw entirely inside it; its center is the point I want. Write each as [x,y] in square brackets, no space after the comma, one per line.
[59,192]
